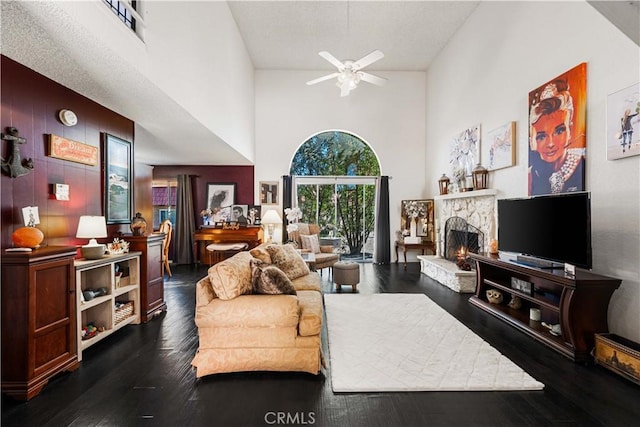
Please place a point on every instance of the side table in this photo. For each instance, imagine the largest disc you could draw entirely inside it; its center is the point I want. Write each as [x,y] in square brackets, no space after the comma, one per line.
[410,246]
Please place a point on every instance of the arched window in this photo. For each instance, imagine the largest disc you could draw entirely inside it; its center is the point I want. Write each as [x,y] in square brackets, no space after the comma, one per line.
[334,183]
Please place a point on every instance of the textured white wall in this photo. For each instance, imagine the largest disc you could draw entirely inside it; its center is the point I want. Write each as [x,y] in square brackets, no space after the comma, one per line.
[484,75]
[389,118]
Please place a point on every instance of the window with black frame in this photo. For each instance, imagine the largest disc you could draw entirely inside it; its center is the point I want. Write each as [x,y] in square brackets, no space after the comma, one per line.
[122,11]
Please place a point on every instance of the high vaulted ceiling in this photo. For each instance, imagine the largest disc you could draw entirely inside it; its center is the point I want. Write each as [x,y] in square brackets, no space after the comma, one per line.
[288,35]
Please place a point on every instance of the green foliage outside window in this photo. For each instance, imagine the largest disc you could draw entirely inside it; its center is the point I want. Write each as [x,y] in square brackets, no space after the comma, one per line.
[337,153]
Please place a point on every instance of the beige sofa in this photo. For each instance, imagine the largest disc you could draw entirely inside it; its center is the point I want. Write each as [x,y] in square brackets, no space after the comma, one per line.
[325,257]
[248,332]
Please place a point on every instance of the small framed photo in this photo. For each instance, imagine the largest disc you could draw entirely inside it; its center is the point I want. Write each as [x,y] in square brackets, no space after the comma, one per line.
[522,286]
[239,214]
[269,192]
[254,213]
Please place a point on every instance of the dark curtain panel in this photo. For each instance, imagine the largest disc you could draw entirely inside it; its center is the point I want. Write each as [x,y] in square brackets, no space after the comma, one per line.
[287,202]
[185,223]
[382,254]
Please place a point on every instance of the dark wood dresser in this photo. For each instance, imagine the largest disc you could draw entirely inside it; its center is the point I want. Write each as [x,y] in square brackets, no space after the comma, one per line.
[39,337]
[151,279]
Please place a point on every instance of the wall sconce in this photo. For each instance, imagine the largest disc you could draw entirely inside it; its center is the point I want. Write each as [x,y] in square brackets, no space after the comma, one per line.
[92,227]
[443,184]
[270,219]
[480,175]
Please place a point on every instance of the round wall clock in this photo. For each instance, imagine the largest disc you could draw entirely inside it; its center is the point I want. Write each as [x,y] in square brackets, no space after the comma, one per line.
[68,117]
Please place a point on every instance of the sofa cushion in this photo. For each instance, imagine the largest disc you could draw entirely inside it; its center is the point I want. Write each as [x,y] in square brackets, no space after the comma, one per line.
[250,311]
[232,277]
[287,259]
[269,279]
[310,282]
[311,242]
[260,252]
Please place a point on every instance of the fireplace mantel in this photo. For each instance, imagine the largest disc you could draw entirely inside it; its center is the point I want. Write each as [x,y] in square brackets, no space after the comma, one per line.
[467,194]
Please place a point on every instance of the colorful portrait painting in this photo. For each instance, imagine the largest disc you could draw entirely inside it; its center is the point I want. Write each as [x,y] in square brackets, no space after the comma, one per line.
[623,123]
[557,134]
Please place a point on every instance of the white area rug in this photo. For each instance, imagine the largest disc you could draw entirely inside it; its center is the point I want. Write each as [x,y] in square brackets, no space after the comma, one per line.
[406,342]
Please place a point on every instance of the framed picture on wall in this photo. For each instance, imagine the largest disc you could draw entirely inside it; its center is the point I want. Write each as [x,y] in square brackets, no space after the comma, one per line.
[498,152]
[269,192]
[558,134]
[117,180]
[220,195]
[424,220]
[623,123]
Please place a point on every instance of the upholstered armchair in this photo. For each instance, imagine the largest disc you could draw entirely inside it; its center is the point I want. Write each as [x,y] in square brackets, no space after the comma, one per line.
[307,237]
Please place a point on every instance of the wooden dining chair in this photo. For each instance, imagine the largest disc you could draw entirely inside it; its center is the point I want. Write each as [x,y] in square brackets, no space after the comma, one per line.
[166,227]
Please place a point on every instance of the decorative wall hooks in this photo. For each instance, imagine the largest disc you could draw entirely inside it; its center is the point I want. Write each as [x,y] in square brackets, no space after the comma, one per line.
[14,166]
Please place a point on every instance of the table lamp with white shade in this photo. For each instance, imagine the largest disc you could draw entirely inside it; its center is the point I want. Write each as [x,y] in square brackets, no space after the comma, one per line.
[271,219]
[92,227]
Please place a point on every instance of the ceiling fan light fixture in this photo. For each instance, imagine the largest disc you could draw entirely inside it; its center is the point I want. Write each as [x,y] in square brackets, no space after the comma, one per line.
[349,72]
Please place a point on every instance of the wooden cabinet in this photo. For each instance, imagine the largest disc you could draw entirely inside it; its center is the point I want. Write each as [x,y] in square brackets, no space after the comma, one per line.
[117,304]
[38,318]
[151,280]
[577,304]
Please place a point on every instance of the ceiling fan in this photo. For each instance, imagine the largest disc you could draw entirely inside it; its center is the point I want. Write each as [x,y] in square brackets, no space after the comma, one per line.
[350,72]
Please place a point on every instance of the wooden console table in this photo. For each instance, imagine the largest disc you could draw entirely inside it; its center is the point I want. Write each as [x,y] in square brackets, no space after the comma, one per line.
[430,246]
[251,235]
[578,304]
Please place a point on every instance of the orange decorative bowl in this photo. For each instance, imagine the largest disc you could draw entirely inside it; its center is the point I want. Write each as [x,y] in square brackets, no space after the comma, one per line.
[27,237]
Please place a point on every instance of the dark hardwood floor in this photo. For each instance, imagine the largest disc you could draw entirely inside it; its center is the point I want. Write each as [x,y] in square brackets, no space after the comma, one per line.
[142,376]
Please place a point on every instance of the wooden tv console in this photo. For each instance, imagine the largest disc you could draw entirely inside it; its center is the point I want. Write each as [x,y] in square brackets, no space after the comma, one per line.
[578,304]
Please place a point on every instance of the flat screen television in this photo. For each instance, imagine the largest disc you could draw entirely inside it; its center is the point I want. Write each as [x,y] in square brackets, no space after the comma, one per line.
[554,228]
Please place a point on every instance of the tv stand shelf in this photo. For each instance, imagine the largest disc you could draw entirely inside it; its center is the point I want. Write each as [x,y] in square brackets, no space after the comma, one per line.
[578,304]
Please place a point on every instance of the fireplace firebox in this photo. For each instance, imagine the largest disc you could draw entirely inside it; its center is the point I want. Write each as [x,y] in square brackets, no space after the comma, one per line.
[460,238]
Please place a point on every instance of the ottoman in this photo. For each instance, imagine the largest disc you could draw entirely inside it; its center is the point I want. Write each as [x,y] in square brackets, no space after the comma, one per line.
[346,273]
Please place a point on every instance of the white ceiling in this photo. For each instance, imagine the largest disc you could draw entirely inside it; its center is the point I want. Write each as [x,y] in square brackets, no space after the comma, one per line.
[288,35]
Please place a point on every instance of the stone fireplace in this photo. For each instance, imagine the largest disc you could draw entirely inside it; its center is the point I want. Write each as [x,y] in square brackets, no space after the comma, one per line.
[474,225]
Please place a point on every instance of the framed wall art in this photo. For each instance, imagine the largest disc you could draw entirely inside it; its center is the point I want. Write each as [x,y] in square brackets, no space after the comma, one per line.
[117,180]
[424,220]
[220,197]
[623,123]
[269,192]
[464,153]
[557,134]
[499,148]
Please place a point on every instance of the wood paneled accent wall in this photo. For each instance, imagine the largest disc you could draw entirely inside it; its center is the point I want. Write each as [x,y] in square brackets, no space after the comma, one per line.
[30,103]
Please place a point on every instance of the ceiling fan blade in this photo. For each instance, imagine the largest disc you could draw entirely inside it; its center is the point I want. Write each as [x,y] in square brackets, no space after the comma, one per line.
[326,55]
[323,78]
[368,59]
[380,81]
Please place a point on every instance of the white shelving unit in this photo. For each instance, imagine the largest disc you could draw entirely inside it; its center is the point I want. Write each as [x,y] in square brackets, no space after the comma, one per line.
[102,311]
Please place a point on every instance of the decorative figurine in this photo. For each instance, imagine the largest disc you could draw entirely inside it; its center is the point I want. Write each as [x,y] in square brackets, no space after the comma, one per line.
[494,296]
[14,166]
[138,225]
